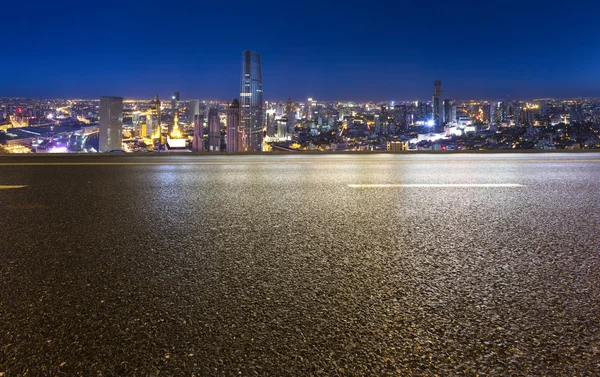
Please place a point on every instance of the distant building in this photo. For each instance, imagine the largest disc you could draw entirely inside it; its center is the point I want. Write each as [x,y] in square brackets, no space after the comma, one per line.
[270,122]
[449,111]
[400,115]
[153,129]
[175,142]
[251,101]
[233,135]
[198,138]
[438,109]
[280,110]
[291,117]
[396,146]
[193,110]
[111,124]
[214,131]
[175,101]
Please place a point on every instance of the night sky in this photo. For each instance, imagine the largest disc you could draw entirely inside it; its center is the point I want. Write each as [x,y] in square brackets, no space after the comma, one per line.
[329,50]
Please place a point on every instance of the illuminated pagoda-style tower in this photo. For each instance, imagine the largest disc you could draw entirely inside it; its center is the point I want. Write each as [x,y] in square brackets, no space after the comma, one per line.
[175,141]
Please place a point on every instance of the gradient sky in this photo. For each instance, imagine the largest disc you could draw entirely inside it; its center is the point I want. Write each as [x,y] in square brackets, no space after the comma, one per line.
[330,50]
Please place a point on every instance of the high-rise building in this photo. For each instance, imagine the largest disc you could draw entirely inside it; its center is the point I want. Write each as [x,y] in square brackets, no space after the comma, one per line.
[214,131]
[448,110]
[233,136]
[438,109]
[175,101]
[198,139]
[193,110]
[400,115]
[310,108]
[153,119]
[251,98]
[270,122]
[280,110]
[291,117]
[111,124]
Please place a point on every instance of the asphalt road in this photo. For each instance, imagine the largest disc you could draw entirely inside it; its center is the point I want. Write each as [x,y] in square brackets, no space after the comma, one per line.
[442,264]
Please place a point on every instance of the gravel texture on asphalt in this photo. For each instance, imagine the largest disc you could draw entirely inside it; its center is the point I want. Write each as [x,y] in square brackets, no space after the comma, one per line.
[272,265]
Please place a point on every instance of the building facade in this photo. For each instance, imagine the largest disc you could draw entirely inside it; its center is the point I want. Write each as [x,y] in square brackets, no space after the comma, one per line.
[198,139]
[438,109]
[111,124]
[233,135]
[153,129]
[251,102]
[193,110]
[214,131]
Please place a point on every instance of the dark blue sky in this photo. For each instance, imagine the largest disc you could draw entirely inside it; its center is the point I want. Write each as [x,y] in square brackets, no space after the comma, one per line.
[379,50]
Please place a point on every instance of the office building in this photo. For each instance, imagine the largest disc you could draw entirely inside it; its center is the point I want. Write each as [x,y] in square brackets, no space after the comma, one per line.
[280,110]
[437,105]
[198,138]
[175,101]
[193,110]
[214,131]
[438,109]
[153,129]
[251,101]
[448,107]
[291,117]
[233,136]
[111,124]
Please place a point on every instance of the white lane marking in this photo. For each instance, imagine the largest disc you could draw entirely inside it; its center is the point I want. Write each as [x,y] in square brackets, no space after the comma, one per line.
[435,185]
[8,187]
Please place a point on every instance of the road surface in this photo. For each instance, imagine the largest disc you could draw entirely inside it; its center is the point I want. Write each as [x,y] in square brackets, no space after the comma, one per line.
[447,264]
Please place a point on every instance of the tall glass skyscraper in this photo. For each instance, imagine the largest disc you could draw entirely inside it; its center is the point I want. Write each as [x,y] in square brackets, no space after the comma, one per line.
[251,102]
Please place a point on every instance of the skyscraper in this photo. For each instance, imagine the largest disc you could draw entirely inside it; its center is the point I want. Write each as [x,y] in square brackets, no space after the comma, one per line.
[270,115]
[111,124]
[175,101]
[198,140]
[233,136]
[280,110]
[449,111]
[251,98]
[214,131]
[438,109]
[291,117]
[194,109]
[153,119]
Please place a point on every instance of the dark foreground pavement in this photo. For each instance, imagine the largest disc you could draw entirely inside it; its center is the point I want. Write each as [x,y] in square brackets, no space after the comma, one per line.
[273,265]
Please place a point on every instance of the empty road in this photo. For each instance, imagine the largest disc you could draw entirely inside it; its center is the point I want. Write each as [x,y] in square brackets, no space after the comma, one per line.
[343,264]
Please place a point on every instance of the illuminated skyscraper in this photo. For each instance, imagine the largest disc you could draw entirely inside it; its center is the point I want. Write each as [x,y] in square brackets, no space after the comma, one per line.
[438,109]
[153,119]
[310,104]
[111,124]
[251,98]
[175,101]
[233,136]
[214,131]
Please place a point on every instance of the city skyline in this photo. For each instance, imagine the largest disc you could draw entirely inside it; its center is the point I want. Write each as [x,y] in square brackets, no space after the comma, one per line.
[330,51]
